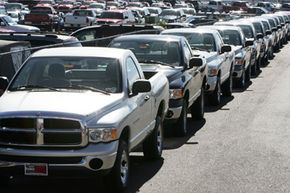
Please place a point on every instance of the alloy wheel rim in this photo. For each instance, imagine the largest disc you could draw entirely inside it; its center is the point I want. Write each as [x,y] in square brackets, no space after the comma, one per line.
[124,167]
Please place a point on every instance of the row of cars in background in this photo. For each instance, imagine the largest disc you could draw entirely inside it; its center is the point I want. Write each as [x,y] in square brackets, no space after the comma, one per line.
[71,15]
[149,85]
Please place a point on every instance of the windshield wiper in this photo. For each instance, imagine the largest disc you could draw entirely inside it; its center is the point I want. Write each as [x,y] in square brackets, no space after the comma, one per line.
[79,86]
[155,62]
[31,87]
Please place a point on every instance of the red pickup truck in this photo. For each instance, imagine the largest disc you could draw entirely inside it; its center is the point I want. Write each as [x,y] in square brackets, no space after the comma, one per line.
[43,16]
[236,6]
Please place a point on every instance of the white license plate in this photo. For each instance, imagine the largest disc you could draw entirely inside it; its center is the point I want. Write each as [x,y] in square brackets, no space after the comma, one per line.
[36,169]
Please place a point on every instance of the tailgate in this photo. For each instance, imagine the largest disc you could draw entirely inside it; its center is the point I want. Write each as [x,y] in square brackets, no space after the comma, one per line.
[36,18]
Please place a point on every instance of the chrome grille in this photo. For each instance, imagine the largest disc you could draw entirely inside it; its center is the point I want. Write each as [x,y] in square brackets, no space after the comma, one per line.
[46,132]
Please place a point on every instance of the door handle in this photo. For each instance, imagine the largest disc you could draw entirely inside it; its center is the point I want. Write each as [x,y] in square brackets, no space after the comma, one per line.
[147,97]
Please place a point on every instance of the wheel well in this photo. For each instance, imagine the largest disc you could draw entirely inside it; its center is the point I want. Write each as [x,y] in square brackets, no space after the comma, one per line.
[125,134]
[161,109]
[186,95]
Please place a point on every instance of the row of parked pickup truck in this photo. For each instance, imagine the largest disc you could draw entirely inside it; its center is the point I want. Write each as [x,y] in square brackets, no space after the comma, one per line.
[82,110]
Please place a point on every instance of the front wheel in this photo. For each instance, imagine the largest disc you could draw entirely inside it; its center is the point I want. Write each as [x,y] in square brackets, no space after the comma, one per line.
[215,97]
[197,109]
[118,178]
[241,82]
[182,121]
[227,87]
[153,144]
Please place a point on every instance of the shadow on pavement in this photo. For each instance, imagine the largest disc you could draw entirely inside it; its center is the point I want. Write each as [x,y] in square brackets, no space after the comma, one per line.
[224,101]
[172,142]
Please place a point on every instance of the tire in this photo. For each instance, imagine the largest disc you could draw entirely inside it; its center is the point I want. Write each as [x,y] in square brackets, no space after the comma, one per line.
[4,181]
[215,97]
[248,74]
[271,53]
[181,128]
[227,87]
[241,82]
[258,64]
[118,177]
[197,109]
[254,69]
[153,144]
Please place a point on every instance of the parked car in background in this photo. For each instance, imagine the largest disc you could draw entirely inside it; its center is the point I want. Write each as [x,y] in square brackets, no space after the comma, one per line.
[234,36]
[39,41]
[45,17]
[6,22]
[102,35]
[186,74]
[12,55]
[106,83]
[208,44]
[80,18]
[116,17]
[172,15]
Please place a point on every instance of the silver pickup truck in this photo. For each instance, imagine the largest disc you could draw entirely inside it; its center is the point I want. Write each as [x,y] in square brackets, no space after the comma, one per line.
[208,44]
[81,109]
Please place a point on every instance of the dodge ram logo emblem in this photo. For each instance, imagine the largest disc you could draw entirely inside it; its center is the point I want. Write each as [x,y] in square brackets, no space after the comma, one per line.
[39,134]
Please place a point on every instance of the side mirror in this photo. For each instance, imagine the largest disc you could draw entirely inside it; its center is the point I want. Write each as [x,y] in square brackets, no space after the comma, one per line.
[3,84]
[260,36]
[282,24]
[141,86]
[279,26]
[249,43]
[195,62]
[2,23]
[126,17]
[226,48]
[274,29]
[287,22]
[268,32]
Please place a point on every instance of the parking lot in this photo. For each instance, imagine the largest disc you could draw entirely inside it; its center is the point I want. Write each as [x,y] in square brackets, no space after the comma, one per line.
[240,146]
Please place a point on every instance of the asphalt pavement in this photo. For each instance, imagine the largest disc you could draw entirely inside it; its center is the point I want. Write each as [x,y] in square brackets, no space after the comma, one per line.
[242,146]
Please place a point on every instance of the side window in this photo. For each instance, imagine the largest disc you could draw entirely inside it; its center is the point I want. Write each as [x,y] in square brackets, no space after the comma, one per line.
[132,72]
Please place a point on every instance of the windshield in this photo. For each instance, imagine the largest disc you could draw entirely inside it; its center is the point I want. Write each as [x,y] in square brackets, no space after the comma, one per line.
[69,73]
[12,6]
[169,12]
[199,41]
[112,15]
[9,20]
[258,27]
[231,37]
[161,52]
[247,30]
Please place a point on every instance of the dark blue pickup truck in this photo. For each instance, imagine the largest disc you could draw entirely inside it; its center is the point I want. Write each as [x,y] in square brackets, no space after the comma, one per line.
[186,74]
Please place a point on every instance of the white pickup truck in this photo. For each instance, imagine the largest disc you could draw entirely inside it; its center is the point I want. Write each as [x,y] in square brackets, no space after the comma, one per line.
[81,110]
[80,18]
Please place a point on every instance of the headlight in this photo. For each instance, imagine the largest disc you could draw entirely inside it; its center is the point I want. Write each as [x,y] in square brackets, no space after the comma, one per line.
[176,93]
[102,135]
[239,61]
[212,72]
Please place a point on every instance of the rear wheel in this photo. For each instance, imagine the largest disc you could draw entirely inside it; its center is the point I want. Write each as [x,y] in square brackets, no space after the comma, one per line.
[118,178]
[153,144]
[197,109]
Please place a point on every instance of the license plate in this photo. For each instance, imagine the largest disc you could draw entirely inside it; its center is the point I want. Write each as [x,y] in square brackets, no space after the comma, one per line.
[28,22]
[36,169]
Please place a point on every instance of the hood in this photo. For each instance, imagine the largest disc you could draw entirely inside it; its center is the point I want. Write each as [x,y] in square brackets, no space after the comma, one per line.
[238,51]
[78,103]
[170,72]
[24,28]
[169,17]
